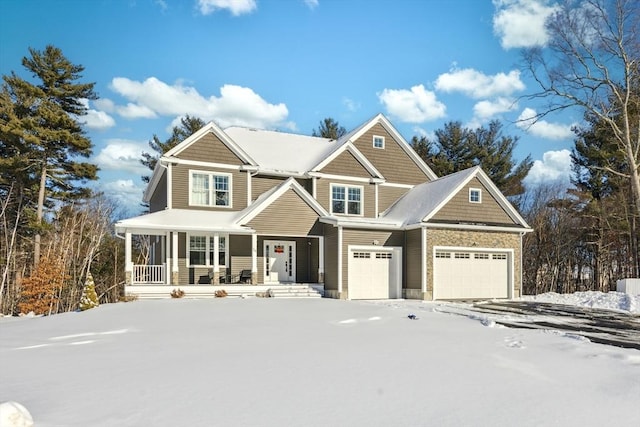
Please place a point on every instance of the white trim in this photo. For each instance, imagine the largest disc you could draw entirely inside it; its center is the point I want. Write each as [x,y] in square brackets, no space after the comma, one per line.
[340,177]
[127,253]
[249,188]
[360,222]
[254,253]
[177,161]
[479,190]
[397,258]
[373,142]
[174,252]
[339,267]
[208,236]
[376,212]
[423,252]
[321,255]
[509,251]
[291,266]
[212,190]
[314,187]
[473,227]
[216,252]
[167,253]
[169,186]
[346,199]
[392,184]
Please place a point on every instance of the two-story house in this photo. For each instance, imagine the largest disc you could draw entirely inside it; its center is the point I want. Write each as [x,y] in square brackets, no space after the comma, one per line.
[362,217]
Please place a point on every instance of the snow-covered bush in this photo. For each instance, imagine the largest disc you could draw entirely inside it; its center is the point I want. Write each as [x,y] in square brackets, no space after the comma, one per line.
[13,414]
[89,296]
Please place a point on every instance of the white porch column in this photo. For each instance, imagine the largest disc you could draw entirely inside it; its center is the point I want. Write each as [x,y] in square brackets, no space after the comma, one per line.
[128,266]
[423,277]
[376,212]
[216,261]
[321,259]
[174,258]
[170,186]
[249,196]
[167,257]
[254,259]
[340,295]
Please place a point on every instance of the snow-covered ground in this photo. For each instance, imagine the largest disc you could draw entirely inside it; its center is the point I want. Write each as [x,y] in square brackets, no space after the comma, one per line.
[270,362]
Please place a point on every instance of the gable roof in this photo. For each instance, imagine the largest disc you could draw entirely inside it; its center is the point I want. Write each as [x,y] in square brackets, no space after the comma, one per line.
[386,124]
[423,201]
[282,152]
[350,147]
[267,198]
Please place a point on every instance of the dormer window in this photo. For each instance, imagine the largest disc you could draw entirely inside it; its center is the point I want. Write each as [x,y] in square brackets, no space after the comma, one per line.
[475,195]
[378,141]
[209,189]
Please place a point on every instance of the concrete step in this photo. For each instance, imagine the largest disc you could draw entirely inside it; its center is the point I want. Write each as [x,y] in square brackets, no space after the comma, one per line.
[293,291]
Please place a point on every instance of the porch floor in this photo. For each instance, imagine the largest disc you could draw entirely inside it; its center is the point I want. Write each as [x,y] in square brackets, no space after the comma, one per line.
[208,291]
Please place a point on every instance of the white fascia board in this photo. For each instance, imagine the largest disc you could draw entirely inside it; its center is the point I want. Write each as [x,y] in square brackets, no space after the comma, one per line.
[348,146]
[158,230]
[475,227]
[290,183]
[338,177]
[226,140]
[338,222]
[395,185]
[178,161]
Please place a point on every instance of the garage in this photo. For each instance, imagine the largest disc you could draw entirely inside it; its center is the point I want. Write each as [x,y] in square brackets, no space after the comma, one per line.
[471,274]
[374,273]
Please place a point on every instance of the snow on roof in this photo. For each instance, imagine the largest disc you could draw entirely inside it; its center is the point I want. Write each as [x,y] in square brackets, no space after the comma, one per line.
[422,199]
[281,151]
[183,220]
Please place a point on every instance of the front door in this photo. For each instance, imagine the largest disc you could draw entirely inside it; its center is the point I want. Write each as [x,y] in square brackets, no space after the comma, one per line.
[280,261]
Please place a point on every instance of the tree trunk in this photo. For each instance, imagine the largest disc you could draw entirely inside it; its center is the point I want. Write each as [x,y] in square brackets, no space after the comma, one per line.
[39,215]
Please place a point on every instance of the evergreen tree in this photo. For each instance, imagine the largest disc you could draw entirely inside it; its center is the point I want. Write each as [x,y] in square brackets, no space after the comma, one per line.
[329,128]
[89,298]
[457,148]
[41,134]
[188,126]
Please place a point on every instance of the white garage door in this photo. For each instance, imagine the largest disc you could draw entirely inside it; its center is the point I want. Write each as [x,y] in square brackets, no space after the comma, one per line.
[460,274]
[373,274]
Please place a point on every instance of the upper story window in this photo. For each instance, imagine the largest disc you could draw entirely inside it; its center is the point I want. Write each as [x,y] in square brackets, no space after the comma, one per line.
[201,251]
[475,195]
[209,189]
[346,199]
[378,141]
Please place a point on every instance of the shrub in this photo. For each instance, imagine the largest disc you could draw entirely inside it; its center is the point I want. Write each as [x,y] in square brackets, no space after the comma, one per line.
[89,296]
[177,293]
[40,292]
[221,293]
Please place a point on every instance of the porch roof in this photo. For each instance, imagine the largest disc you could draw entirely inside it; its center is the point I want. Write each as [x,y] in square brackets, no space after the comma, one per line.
[183,220]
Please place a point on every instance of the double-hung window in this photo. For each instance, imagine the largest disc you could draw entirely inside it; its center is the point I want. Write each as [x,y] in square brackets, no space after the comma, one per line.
[209,189]
[201,251]
[346,199]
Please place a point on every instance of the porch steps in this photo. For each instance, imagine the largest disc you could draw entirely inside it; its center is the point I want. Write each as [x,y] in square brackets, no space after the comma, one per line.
[293,291]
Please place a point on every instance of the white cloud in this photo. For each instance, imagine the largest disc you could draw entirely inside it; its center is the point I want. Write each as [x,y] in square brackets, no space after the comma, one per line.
[236,105]
[351,104]
[485,110]
[555,166]
[311,4]
[475,84]
[412,106]
[521,23]
[125,193]
[94,119]
[122,155]
[135,111]
[236,7]
[105,104]
[542,128]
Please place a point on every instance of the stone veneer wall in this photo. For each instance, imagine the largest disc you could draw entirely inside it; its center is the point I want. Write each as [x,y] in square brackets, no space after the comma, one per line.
[474,239]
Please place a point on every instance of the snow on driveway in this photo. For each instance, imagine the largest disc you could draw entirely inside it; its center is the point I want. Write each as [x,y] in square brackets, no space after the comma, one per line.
[270,362]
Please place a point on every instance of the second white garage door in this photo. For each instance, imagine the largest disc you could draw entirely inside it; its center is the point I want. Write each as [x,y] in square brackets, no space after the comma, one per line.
[374,274]
[466,274]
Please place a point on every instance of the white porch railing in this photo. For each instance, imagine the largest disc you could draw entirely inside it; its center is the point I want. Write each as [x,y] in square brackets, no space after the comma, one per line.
[148,274]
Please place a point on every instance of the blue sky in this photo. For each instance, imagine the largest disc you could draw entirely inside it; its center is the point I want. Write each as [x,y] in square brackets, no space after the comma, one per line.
[287,64]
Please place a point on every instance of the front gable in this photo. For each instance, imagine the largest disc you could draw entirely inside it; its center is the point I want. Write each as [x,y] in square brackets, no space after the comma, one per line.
[289,214]
[209,148]
[460,209]
[390,154]
[346,164]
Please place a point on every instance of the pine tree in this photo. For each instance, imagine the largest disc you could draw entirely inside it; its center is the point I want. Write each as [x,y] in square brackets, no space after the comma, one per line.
[329,128]
[89,298]
[42,135]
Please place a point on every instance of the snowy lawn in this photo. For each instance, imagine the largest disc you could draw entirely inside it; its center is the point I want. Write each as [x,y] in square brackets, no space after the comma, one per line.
[269,362]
